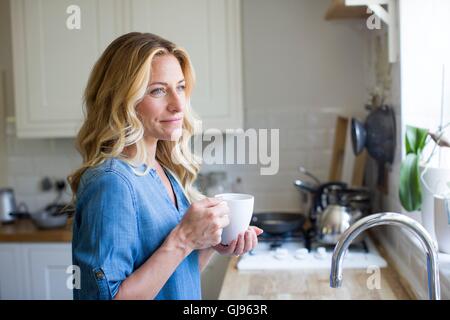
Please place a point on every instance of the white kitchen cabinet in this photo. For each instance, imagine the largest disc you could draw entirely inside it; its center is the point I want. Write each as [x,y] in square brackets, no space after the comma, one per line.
[211,33]
[213,276]
[11,278]
[39,271]
[47,265]
[35,271]
[51,63]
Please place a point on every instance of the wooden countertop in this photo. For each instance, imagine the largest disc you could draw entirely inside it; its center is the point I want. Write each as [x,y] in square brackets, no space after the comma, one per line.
[23,230]
[310,284]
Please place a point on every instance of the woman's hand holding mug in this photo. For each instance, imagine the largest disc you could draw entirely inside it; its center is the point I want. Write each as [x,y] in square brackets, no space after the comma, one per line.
[245,242]
[202,225]
[238,237]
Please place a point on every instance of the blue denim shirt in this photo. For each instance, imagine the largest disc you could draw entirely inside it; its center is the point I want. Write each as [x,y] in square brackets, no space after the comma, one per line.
[121,219]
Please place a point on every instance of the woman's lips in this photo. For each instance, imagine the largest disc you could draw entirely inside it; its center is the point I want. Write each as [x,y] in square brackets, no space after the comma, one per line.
[175,120]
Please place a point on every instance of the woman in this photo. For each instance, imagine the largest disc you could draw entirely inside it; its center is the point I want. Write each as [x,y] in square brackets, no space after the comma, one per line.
[141,230]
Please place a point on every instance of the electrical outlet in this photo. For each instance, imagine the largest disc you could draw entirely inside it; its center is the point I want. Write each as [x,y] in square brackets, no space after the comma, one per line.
[60,185]
[46,184]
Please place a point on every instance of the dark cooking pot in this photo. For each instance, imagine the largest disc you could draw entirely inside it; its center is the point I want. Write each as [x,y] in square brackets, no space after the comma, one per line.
[53,216]
[323,194]
[277,223]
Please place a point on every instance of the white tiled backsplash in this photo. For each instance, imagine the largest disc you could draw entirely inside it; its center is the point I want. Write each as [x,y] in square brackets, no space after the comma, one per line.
[306,139]
[30,160]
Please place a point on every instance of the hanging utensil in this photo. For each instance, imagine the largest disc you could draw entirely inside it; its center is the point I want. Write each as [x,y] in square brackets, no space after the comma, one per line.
[378,136]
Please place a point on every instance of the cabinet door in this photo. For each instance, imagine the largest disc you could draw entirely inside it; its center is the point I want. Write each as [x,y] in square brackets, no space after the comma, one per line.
[11,278]
[52,62]
[47,265]
[213,276]
[210,32]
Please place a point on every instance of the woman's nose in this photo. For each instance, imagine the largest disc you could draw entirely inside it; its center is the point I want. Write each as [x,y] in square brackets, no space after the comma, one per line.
[176,102]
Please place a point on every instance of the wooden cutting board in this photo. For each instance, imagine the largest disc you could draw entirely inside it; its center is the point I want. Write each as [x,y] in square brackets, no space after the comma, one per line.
[345,166]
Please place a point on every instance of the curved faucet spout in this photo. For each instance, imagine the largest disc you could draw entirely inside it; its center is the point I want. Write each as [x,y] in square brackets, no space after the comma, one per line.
[388,218]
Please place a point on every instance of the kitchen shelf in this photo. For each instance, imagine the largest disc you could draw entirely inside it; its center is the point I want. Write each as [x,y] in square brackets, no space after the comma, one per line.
[385,10]
[339,11]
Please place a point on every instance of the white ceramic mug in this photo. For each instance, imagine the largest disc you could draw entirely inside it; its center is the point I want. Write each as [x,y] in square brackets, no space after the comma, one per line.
[442,222]
[241,211]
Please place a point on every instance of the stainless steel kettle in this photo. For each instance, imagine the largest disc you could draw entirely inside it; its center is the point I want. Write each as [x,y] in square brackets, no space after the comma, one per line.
[7,205]
[334,220]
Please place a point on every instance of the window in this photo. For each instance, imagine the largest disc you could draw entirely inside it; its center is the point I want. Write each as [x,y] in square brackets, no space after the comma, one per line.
[425,61]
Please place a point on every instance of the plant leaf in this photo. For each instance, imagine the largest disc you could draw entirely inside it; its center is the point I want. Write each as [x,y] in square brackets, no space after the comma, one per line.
[410,139]
[410,191]
[421,139]
[415,139]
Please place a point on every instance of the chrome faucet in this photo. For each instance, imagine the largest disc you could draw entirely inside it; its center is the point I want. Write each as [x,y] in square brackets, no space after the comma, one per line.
[388,218]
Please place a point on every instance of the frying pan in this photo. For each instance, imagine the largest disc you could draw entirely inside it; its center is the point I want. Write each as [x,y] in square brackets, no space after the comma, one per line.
[378,135]
[277,223]
[359,135]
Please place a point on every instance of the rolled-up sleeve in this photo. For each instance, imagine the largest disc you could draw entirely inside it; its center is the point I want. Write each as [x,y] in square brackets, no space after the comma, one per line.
[105,235]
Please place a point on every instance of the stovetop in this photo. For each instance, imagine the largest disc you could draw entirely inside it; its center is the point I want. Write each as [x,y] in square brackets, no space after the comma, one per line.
[307,239]
[301,250]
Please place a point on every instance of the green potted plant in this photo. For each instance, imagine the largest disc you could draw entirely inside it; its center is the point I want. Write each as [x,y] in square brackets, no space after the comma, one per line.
[419,181]
[410,192]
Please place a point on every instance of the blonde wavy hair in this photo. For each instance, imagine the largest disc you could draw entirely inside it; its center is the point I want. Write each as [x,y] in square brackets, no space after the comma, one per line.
[117,83]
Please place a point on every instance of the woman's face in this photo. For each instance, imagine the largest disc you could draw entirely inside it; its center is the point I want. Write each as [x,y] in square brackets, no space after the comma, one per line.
[162,107]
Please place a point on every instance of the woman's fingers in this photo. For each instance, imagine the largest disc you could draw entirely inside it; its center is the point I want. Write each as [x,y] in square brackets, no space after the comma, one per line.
[244,243]
[248,241]
[257,230]
[231,247]
[254,239]
[223,221]
[209,202]
[239,245]
[226,249]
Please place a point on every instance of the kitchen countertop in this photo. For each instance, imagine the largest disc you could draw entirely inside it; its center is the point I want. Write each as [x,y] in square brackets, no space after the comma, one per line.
[310,284]
[23,230]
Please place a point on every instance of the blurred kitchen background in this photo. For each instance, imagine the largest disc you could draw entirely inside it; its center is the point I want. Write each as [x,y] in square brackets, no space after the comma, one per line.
[305,67]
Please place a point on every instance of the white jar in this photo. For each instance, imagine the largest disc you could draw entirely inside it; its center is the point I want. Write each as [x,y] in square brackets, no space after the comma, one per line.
[434,182]
[442,222]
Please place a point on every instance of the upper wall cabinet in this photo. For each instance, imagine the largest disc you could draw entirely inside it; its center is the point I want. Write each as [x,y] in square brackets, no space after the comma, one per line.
[52,62]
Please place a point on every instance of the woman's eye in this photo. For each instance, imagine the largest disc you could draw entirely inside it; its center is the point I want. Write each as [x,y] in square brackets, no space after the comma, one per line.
[158,92]
[181,88]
